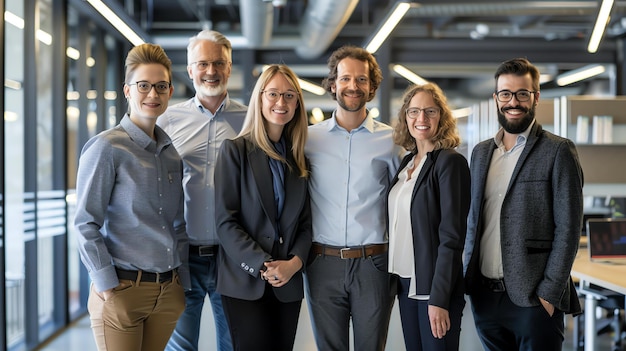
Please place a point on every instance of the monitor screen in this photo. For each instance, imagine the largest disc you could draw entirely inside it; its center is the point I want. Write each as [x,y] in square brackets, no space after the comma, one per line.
[607,238]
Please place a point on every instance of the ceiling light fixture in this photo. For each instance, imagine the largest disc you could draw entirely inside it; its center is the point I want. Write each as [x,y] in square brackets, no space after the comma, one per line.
[601,22]
[305,85]
[312,88]
[579,74]
[408,74]
[391,21]
[117,22]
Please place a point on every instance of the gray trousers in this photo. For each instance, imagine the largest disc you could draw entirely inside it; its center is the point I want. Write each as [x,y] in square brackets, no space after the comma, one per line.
[341,289]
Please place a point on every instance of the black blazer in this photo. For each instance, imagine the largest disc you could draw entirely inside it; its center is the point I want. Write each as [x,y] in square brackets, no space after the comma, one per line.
[439,208]
[245,213]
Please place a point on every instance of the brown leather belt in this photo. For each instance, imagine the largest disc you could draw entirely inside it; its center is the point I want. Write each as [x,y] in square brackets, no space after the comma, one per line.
[349,252]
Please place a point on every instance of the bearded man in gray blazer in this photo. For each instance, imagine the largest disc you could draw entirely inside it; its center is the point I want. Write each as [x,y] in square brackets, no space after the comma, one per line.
[524,223]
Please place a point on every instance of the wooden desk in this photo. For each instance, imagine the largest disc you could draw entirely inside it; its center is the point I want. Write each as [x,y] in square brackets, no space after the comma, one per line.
[605,275]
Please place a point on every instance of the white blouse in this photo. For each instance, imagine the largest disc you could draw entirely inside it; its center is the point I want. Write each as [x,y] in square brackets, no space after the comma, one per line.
[401,254]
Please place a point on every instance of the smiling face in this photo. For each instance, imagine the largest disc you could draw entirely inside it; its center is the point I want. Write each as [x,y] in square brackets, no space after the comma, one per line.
[209,80]
[423,128]
[515,116]
[352,86]
[279,102]
[148,105]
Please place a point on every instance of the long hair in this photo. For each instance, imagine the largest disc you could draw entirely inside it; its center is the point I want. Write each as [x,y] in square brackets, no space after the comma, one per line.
[447,136]
[357,53]
[295,131]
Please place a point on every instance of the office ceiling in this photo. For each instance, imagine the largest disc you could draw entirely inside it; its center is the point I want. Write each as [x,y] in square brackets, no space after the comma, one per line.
[456,43]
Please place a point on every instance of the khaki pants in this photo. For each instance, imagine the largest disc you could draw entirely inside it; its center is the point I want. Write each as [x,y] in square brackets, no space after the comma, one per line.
[140,316]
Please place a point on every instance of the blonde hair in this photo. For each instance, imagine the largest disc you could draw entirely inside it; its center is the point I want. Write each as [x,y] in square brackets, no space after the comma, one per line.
[295,131]
[146,54]
[447,136]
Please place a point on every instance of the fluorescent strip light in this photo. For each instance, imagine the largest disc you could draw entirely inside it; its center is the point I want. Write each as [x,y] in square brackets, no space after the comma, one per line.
[462,112]
[12,84]
[14,19]
[72,53]
[312,88]
[390,23]
[579,74]
[317,114]
[110,95]
[408,74]
[117,22]
[44,37]
[600,26]
[18,22]
[306,85]
[72,95]
[10,116]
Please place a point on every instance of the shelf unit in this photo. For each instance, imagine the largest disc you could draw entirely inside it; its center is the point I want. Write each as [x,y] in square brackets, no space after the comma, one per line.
[604,165]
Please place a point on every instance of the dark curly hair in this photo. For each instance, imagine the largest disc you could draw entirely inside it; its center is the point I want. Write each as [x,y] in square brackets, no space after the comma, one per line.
[358,53]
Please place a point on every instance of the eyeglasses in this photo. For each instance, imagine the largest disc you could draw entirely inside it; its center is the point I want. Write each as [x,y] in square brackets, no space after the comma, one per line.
[274,95]
[219,65]
[414,112]
[520,95]
[144,87]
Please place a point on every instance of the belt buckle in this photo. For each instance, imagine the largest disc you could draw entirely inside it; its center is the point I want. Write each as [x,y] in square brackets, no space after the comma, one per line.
[341,251]
[498,286]
[204,251]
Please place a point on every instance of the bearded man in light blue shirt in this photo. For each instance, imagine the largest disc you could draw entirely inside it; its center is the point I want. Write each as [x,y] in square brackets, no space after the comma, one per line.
[197,128]
[353,159]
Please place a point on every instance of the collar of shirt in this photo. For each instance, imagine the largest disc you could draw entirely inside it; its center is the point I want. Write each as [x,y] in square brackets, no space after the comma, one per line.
[520,141]
[206,111]
[141,138]
[368,123]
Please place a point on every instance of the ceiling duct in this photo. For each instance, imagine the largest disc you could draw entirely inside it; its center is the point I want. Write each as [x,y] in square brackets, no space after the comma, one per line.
[323,20]
[257,19]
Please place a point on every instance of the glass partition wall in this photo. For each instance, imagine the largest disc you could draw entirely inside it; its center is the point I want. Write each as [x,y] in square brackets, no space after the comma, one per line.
[62,74]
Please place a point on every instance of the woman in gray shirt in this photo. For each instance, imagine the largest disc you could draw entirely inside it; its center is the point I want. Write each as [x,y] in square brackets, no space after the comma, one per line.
[132,236]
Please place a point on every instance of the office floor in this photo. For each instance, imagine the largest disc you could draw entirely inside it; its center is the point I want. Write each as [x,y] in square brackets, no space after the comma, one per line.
[78,336]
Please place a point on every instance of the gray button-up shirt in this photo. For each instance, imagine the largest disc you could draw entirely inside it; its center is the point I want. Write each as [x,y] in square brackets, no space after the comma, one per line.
[129,211]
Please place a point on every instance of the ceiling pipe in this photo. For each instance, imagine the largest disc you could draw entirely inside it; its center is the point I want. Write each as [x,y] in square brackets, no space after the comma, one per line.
[257,19]
[323,20]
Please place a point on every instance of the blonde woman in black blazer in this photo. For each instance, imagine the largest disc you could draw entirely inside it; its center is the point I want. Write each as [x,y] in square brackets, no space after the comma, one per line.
[428,205]
[263,216]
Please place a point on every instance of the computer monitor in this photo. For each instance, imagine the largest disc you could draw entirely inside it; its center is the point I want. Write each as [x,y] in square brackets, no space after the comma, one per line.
[607,239]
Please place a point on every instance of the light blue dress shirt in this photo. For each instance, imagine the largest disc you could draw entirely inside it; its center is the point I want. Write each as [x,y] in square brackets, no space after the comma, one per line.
[197,134]
[350,177]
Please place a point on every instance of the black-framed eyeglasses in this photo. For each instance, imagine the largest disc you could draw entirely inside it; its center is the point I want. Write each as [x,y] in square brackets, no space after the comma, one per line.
[144,87]
[520,95]
[274,95]
[414,112]
[219,65]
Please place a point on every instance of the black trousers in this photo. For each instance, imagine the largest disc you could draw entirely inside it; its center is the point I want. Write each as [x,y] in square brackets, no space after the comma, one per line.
[504,326]
[262,325]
